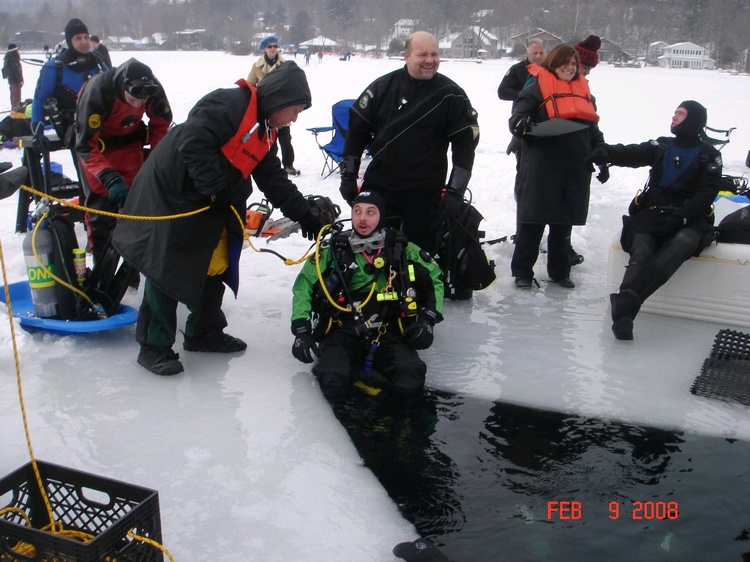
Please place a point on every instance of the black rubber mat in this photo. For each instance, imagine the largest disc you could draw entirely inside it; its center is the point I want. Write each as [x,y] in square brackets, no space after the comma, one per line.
[726,373]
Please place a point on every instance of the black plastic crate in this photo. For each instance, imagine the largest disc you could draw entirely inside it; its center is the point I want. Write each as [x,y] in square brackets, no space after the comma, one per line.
[725,374]
[101,507]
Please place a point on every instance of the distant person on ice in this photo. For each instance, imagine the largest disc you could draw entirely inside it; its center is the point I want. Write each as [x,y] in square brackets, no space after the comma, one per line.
[207,162]
[669,221]
[268,61]
[13,73]
[384,297]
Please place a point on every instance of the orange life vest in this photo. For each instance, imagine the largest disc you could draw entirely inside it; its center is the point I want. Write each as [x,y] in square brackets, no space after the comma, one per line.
[249,145]
[566,100]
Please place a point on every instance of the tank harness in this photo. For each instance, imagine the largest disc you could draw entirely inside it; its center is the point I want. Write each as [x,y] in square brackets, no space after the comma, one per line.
[333,297]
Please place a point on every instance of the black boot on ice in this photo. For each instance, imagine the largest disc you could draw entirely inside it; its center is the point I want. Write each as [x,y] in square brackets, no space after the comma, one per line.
[214,341]
[160,360]
[625,306]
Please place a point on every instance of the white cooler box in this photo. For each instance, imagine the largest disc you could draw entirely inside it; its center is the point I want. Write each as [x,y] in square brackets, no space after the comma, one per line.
[714,286]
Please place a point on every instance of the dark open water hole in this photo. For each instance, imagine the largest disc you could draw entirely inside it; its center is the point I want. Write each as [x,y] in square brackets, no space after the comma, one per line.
[479,480]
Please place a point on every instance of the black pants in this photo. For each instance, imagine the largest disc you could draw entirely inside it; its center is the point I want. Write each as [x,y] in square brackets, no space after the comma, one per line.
[653,261]
[284,135]
[395,364]
[157,317]
[526,252]
[99,227]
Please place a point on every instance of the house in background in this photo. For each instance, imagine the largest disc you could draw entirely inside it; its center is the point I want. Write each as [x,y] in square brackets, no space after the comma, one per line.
[686,55]
[550,40]
[655,50]
[33,40]
[471,43]
[124,42]
[403,28]
[610,52]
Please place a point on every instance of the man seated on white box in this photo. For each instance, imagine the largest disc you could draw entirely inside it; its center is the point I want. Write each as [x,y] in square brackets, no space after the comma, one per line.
[672,219]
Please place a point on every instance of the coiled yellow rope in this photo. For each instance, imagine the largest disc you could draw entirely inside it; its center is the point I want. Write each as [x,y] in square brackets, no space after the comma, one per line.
[55,527]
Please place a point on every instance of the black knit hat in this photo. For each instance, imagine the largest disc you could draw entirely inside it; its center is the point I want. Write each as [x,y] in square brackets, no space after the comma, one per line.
[694,123]
[372,198]
[74,27]
[587,50]
[12,47]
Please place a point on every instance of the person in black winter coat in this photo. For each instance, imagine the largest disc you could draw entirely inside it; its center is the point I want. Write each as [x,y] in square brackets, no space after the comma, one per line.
[668,223]
[554,175]
[407,119]
[206,162]
[13,72]
[515,79]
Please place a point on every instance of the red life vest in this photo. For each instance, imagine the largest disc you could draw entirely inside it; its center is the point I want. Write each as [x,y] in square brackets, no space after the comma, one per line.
[249,145]
[566,100]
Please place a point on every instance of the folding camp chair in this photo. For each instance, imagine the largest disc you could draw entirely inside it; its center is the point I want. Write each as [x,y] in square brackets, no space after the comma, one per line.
[333,151]
[719,143]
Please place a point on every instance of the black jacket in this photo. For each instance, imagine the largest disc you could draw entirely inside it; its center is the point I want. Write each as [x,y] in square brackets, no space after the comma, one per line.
[407,126]
[185,169]
[12,70]
[554,174]
[695,193]
[513,81]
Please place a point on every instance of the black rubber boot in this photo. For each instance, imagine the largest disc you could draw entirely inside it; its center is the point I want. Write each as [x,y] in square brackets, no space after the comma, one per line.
[625,306]
[160,360]
[216,342]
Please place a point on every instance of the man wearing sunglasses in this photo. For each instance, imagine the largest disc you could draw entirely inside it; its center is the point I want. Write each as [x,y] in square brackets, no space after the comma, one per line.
[112,136]
[270,59]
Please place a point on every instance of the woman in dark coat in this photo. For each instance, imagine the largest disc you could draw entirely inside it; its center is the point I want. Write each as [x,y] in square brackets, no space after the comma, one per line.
[554,175]
[207,161]
[13,72]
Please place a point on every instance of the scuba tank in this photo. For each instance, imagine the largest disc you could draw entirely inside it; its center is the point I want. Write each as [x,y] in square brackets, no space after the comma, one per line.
[41,284]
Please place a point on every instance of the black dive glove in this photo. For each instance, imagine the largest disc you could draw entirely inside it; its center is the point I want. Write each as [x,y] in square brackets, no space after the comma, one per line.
[115,185]
[311,224]
[419,335]
[304,347]
[519,126]
[349,171]
[118,190]
[220,202]
[599,155]
[603,174]
[451,204]
[453,198]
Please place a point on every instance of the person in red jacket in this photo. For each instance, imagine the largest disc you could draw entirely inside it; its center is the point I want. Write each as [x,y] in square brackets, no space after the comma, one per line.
[111,136]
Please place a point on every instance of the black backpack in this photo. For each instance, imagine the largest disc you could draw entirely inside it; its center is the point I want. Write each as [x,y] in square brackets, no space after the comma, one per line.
[460,256]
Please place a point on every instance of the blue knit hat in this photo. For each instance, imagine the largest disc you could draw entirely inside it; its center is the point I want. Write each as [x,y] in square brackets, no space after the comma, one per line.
[267,41]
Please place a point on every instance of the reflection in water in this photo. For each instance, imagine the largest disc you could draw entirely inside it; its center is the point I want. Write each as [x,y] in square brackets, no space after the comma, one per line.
[493,481]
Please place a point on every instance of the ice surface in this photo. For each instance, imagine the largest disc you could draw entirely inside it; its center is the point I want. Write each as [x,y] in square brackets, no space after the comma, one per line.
[249,461]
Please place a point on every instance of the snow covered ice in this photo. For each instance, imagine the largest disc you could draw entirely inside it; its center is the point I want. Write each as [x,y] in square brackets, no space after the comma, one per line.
[248,460]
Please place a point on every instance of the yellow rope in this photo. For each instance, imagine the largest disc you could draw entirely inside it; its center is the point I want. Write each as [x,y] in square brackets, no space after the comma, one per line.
[322,283]
[55,527]
[66,203]
[46,268]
